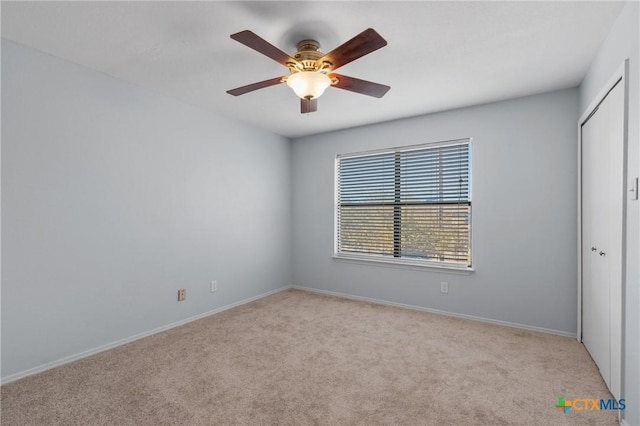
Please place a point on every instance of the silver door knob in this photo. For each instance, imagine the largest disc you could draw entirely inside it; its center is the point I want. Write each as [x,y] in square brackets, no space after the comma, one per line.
[602,253]
[593,249]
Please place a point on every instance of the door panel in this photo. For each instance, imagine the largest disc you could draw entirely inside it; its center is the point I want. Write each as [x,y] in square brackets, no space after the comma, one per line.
[596,286]
[602,225]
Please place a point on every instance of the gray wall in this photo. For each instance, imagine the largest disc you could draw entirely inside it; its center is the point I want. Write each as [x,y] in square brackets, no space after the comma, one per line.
[524,213]
[114,197]
[622,43]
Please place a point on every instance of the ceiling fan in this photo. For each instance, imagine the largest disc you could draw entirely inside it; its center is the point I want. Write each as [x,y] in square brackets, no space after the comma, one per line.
[312,71]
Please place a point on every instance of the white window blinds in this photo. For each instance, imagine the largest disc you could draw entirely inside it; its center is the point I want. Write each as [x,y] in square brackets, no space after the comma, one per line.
[410,202]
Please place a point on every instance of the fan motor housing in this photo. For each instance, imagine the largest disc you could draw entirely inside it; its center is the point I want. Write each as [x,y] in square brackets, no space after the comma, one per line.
[308,56]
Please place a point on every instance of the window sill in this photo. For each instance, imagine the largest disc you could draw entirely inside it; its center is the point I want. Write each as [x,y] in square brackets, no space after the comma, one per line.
[404,264]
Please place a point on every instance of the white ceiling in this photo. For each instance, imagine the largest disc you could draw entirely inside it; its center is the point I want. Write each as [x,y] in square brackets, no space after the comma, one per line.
[440,55]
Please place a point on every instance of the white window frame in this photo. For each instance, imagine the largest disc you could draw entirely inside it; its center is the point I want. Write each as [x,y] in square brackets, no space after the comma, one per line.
[395,262]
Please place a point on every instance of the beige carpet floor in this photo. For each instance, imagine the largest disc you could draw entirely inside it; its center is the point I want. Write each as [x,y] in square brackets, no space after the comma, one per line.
[299,358]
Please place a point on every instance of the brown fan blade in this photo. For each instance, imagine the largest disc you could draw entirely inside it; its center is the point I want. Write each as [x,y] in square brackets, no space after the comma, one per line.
[259,44]
[255,86]
[362,44]
[359,86]
[308,105]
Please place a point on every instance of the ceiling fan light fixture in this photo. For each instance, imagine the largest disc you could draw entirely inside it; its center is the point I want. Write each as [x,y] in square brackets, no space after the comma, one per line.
[312,71]
[308,84]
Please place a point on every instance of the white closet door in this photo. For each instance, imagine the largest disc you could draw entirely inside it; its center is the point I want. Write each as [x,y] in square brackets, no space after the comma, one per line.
[595,287]
[602,186]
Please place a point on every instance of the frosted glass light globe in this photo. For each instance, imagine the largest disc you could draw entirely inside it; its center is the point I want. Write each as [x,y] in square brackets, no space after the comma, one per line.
[308,84]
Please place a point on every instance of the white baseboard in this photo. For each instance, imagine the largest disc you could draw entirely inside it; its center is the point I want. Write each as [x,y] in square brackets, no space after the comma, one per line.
[75,357]
[90,352]
[436,311]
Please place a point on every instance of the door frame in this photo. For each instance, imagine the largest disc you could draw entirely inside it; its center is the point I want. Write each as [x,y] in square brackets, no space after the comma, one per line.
[617,342]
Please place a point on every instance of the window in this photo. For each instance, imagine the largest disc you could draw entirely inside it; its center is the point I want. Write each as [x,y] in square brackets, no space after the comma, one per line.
[411,203]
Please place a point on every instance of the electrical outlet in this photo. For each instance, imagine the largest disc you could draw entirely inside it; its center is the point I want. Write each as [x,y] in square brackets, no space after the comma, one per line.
[182,294]
[214,286]
[444,287]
